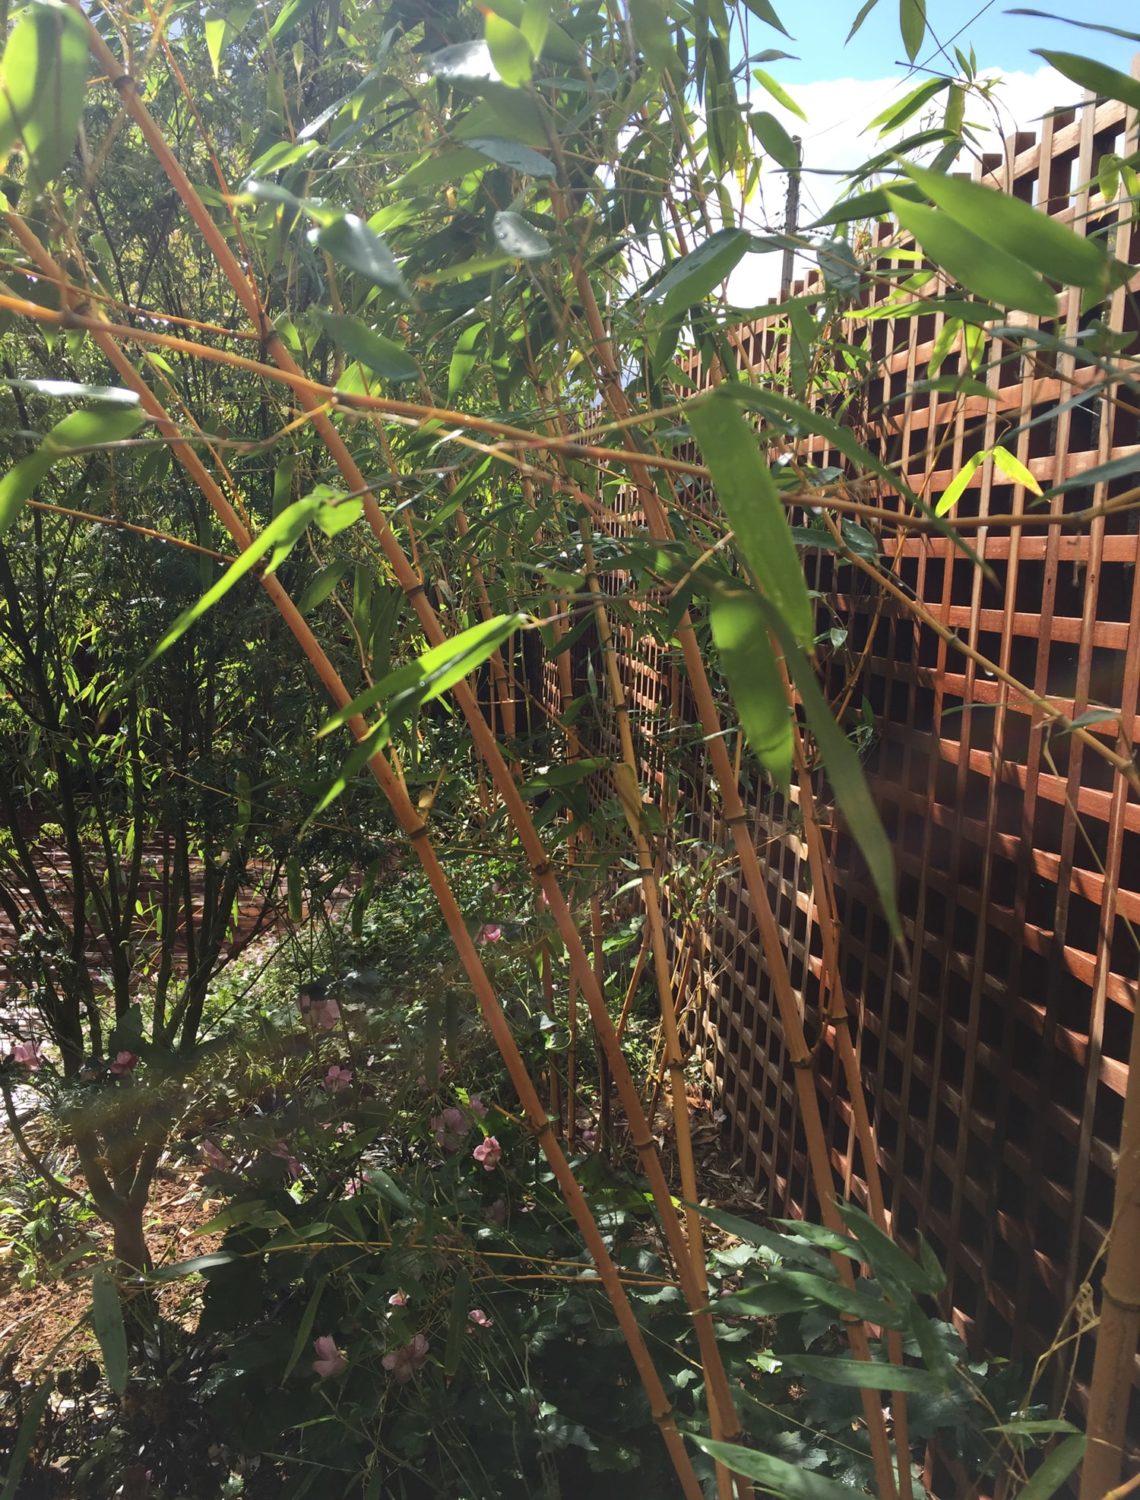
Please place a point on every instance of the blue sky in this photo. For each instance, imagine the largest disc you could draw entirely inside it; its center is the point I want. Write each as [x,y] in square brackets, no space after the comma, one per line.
[1001,40]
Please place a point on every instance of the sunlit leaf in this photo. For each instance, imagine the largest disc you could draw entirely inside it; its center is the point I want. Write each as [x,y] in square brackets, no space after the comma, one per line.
[384,355]
[81,431]
[1014,469]
[775,139]
[912,26]
[43,81]
[740,633]
[777,91]
[518,237]
[110,1330]
[1105,82]
[350,241]
[509,50]
[463,359]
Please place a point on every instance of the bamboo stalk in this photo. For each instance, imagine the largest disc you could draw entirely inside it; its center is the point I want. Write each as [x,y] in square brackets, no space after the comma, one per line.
[542,867]
[417,831]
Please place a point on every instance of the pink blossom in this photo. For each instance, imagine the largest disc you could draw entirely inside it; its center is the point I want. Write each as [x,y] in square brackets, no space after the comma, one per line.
[488,1152]
[338,1078]
[329,1360]
[476,1106]
[480,1318]
[497,1212]
[213,1155]
[398,1299]
[408,1360]
[125,1062]
[322,1014]
[27,1054]
[490,932]
[449,1128]
[283,1153]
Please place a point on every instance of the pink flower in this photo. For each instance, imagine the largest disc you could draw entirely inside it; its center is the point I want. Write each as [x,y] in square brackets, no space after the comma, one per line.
[449,1128]
[282,1152]
[408,1360]
[329,1360]
[27,1054]
[476,1106]
[398,1299]
[321,1013]
[213,1155]
[480,1318]
[338,1078]
[488,1152]
[490,932]
[125,1062]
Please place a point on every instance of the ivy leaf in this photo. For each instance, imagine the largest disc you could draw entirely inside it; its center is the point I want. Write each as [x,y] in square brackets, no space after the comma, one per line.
[350,241]
[384,355]
[979,265]
[519,238]
[740,633]
[748,496]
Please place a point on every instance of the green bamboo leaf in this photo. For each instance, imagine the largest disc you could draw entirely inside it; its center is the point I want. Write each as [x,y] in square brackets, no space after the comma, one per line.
[912,26]
[1105,82]
[1030,236]
[748,496]
[110,1330]
[763,11]
[509,49]
[25,1437]
[214,26]
[888,1260]
[69,390]
[775,139]
[740,632]
[793,1245]
[900,110]
[777,91]
[1053,1472]
[512,154]
[534,23]
[690,279]
[43,80]
[980,266]
[864,12]
[457,1324]
[350,241]
[519,238]
[277,538]
[844,773]
[652,33]
[294,889]
[433,673]
[864,1374]
[463,359]
[81,431]
[953,491]
[383,355]
[788,1481]
[815,1290]
[1014,469]
[304,1328]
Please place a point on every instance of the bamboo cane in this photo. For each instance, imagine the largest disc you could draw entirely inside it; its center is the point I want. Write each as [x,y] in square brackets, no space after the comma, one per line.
[417,832]
[488,747]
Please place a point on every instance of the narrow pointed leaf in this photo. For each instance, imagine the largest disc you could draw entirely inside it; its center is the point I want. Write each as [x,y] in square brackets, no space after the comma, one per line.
[1106,82]
[1014,469]
[776,1475]
[1051,1475]
[953,491]
[110,1330]
[864,1374]
[912,25]
[777,91]
[748,496]
[350,241]
[512,154]
[775,139]
[509,49]
[519,238]
[740,632]
[384,355]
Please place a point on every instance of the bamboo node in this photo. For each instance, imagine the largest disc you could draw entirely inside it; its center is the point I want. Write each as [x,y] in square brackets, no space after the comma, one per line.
[541,870]
[416,588]
[418,833]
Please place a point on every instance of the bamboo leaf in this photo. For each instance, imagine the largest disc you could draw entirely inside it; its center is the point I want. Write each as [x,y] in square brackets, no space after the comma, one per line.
[740,632]
[214,26]
[651,31]
[748,496]
[304,1328]
[457,1324]
[864,1374]
[775,139]
[25,1437]
[777,91]
[350,241]
[691,278]
[463,359]
[845,774]
[43,81]
[1014,469]
[1053,1472]
[900,110]
[384,355]
[912,26]
[864,12]
[1030,236]
[791,1246]
[509,50]
[512,154]
[519,238]
[82,430]
[981,267]
[953,491]
[109,1328]
[763,11]
[789,1481]
[888,1260]
[1105,82]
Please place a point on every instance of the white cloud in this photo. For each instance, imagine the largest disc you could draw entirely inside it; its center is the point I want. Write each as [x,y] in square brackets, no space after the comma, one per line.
[838,111]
